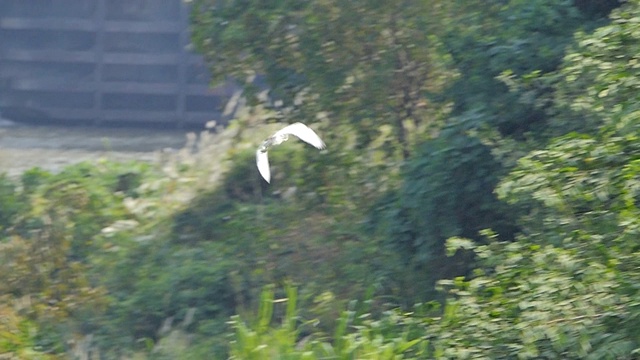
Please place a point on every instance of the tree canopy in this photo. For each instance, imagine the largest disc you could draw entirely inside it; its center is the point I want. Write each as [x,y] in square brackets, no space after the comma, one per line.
[479,196]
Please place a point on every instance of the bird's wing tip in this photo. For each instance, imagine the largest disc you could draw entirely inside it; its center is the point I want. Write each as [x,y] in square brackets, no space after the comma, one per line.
[262,161]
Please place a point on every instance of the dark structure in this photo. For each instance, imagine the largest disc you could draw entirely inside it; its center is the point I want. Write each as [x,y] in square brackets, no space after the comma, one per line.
[103,61]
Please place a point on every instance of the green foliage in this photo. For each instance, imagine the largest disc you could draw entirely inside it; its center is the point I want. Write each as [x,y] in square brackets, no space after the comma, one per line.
[366,65]
[47,260]
[56,232]
[18,337]
[447,191]
[33,178]
[579,184]
[198,277]
[11,203]
[211,251]
[513,37]
[260,341]
[580,191]
[579,196]
[501,109]
[425,107]
[356,336]
[531,301]
[600,77]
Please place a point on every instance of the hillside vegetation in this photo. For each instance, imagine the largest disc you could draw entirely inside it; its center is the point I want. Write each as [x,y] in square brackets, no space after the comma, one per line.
[478,198]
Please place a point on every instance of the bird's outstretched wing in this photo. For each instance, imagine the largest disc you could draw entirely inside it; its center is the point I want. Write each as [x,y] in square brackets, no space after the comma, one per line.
[303,132]
[262,159]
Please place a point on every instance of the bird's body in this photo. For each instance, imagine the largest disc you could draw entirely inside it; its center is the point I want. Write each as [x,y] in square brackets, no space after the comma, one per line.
[300,130]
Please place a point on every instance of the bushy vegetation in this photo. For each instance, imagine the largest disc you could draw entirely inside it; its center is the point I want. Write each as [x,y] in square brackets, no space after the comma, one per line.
[479,197]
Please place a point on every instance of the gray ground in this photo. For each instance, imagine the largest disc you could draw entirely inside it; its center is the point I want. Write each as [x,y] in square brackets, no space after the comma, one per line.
[52,147]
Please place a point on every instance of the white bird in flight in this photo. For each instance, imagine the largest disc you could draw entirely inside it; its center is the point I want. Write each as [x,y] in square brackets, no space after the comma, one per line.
[300,130]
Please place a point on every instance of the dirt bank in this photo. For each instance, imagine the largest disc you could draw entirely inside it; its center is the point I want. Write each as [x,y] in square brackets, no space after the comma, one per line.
[53,147]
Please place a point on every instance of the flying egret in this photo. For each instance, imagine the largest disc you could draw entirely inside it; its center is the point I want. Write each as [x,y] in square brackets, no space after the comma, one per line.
[300,130]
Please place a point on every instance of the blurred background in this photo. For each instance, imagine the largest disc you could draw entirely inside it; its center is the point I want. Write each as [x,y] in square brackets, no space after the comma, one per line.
[111,62]
[125,66]
[479,197]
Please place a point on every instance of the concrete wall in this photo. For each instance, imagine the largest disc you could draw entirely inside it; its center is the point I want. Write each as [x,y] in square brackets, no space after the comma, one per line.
[103,61]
